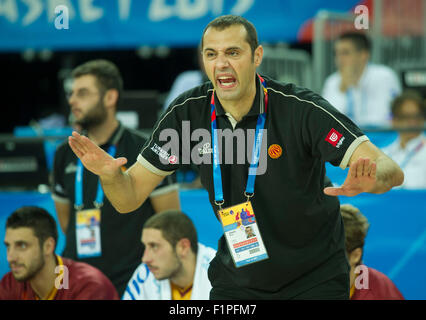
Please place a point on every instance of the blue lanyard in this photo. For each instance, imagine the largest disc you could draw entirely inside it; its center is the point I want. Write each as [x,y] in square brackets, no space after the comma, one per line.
[79,184]
[217,175]
[411,154]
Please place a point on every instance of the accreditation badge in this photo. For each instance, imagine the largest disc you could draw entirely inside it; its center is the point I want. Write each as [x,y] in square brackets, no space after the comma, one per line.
[88,233]
[242,234]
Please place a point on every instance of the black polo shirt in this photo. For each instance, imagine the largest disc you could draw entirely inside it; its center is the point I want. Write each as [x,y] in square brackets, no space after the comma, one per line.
[120,233]
[300,225]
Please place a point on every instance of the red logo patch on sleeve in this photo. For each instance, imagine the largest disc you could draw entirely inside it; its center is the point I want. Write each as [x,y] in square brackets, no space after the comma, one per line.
[333,137]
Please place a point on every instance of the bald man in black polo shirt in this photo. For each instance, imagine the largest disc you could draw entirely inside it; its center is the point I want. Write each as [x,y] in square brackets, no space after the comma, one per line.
[280,190]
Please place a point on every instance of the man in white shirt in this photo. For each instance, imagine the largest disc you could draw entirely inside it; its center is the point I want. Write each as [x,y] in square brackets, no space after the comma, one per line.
[409,150]
[361,90]
[174,265]
[184,81]
[187,80]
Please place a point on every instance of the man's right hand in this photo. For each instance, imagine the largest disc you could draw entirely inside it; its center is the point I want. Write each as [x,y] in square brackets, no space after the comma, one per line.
[94,158]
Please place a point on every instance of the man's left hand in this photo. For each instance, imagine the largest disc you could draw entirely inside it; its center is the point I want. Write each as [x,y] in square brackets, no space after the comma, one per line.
[361,178]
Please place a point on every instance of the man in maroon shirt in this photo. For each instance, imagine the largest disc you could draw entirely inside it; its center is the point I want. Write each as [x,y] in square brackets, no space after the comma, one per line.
[365,283]
[37,273]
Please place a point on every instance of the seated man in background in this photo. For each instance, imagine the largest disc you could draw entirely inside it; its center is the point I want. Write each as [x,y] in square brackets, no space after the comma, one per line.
[369,284]
[409,150]
[87,218]
[37,273]
[361,90]
[174,265]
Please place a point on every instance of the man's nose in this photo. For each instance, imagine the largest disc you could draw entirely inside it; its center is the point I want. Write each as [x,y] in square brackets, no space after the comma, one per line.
[222,61]
[146,256]
[71,99]
[11,255]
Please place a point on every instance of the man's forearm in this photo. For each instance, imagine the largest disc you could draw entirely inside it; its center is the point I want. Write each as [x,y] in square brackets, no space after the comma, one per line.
[120,192]
[388,175]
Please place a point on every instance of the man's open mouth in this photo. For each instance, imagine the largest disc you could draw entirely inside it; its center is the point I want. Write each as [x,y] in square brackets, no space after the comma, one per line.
[226,81]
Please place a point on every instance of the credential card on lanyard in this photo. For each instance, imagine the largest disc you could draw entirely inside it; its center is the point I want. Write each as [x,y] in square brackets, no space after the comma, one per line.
[242,234]
[88,222]
[239,223]
[88,233]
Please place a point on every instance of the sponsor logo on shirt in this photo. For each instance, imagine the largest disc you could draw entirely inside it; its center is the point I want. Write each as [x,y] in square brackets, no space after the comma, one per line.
[340,142]
[205,150]
[161,152]
[58,188]
[275,151]
[70,168]
[334,137]
[172,159]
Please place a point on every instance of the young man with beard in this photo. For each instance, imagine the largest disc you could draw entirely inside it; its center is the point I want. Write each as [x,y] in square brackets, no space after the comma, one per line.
[37,273]
[174,265]
[298,251]
[95,232]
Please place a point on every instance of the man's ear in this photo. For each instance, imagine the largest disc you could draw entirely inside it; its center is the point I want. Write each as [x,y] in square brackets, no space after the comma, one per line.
[258,56]
[183,247]
[49,246]
[111,98]
[365,56]
[355,256]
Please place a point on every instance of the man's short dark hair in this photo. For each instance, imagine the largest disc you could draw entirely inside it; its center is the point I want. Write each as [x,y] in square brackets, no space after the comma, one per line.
[174,226]
[223,22]
[356,227]
[359,39]
[106,73]
[37,219]
[408,95]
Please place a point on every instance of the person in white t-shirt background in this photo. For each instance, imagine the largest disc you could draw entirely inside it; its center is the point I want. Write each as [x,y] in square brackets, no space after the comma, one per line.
[409,149]
[361,90]
[174,265]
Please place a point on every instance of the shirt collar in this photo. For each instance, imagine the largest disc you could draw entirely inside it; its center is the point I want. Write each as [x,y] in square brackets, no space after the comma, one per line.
[29,293]
[364,75]
[115,137]
[256,108]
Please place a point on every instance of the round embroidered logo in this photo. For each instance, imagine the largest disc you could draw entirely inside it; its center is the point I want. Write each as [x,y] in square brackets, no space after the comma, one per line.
[172,159]
[275,151]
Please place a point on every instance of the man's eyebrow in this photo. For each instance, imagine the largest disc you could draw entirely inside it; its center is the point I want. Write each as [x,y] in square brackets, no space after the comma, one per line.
[232,48]
[227,49]
[82,89]
[152,243]
[16,242]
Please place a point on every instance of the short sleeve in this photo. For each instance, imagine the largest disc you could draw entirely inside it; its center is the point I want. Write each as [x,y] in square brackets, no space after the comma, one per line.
[328,134]
[161,154]
[58,189]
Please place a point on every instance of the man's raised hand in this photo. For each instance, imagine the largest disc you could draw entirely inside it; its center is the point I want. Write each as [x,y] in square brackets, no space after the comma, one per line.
[361,178]
[93,157]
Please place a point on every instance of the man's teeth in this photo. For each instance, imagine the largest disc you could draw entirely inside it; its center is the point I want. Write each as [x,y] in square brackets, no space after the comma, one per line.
[226,81]
[227,84]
